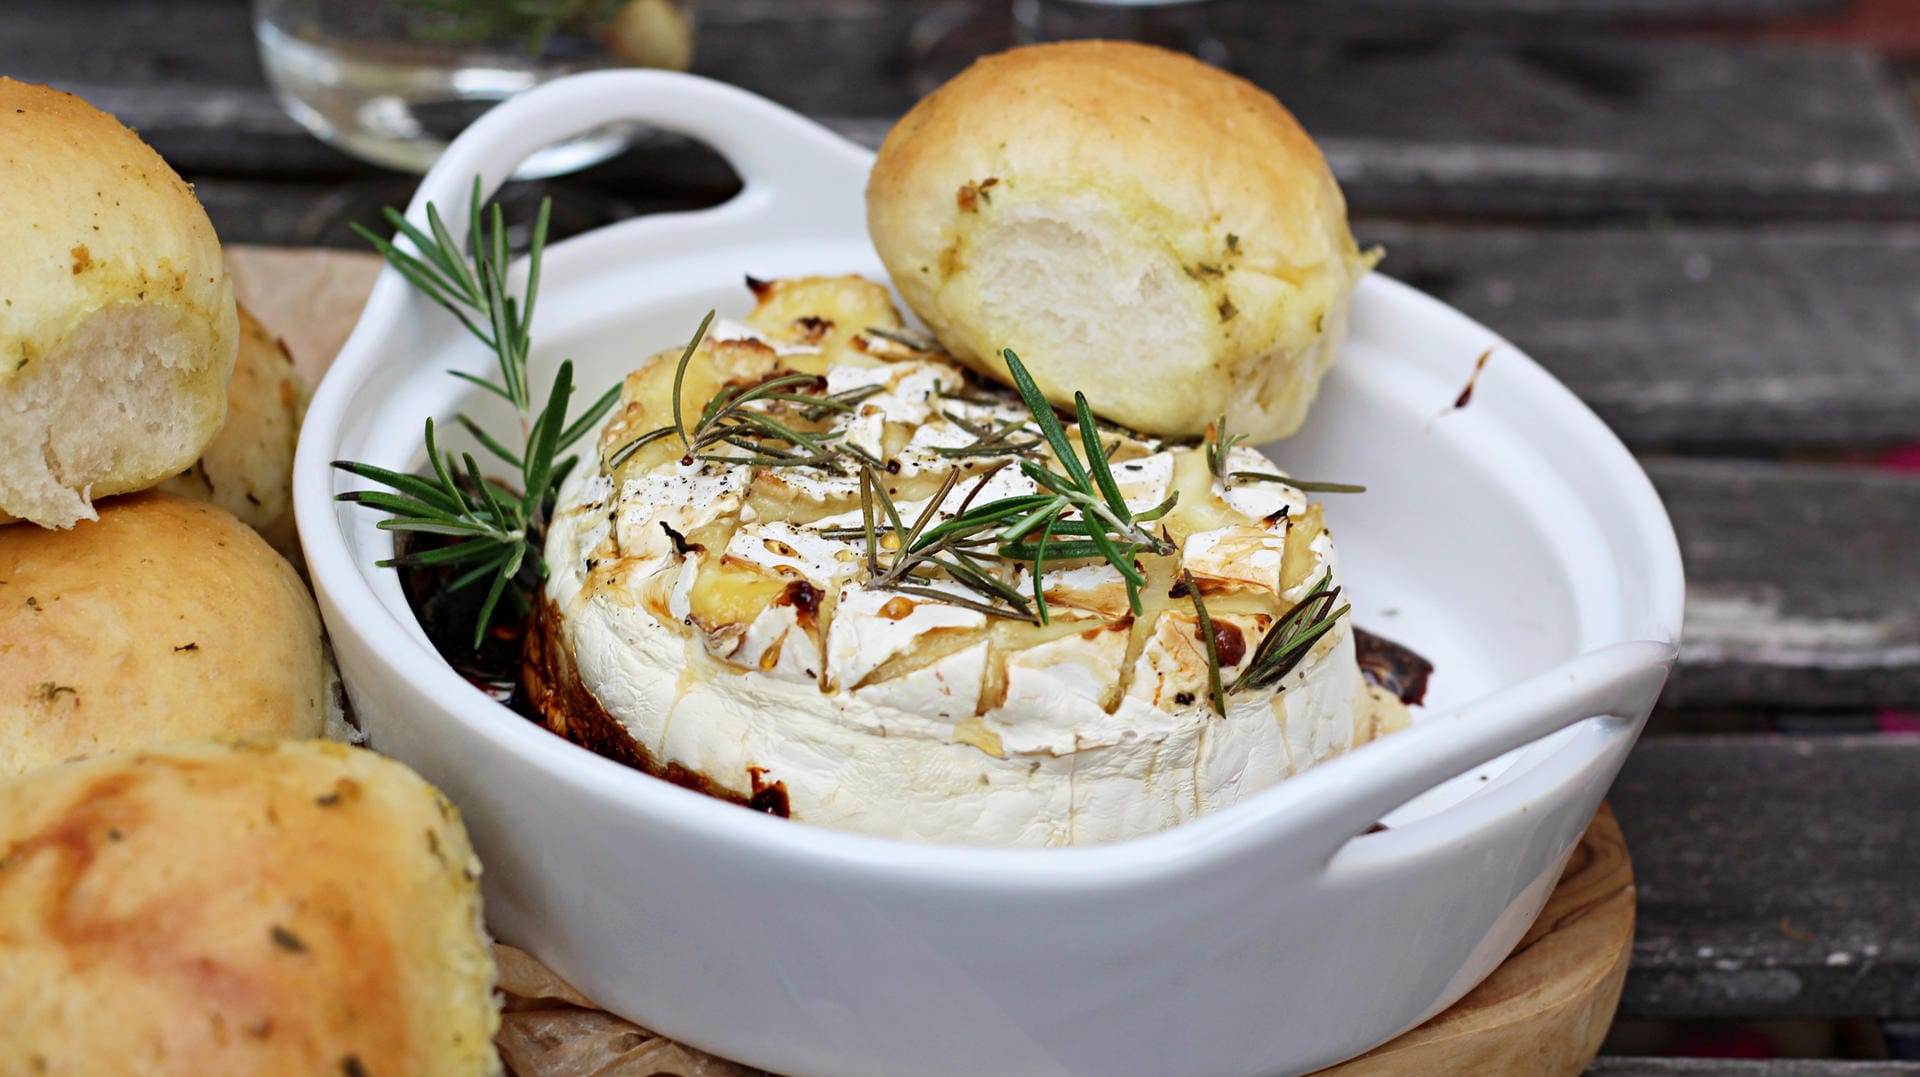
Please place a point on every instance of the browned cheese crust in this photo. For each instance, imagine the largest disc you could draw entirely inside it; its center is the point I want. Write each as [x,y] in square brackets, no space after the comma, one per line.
[567,707]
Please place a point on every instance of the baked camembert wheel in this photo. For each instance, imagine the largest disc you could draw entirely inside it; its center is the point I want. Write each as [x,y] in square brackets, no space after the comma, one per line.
[811,588]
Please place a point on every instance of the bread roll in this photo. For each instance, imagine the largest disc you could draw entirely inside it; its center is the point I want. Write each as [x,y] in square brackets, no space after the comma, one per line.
[208,909]
[1133,223]
[248,468]
[164,619]
[117,329]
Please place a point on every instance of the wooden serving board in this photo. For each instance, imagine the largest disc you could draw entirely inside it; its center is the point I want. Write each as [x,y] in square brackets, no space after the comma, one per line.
[1542,1013]
[1545,1010]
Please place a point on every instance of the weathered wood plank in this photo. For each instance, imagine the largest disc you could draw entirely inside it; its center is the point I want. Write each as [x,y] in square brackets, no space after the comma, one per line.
[1722,1067]
[1592,9]
[734,11]
[1698,337]
[1803,585]
[1424,121]
[1600,125]
[1778,877]
[1580,124]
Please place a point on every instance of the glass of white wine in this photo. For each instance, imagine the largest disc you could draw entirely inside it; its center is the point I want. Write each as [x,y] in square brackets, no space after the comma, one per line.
[393,81]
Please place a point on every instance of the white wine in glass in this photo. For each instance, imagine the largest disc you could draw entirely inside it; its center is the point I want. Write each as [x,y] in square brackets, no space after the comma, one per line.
[393,81]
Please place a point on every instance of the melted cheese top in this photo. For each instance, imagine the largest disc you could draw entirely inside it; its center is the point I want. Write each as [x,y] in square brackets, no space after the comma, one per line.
[726,612]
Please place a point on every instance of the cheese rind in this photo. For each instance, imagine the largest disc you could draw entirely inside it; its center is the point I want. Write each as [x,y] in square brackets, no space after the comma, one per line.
[683,497]
[906,715]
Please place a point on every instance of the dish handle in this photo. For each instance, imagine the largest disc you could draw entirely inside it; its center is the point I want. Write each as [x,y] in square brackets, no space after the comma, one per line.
[786,162]
[1617,683]
[791,168]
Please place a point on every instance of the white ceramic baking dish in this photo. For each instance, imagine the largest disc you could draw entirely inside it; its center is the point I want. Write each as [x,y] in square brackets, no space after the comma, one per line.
[1514,541]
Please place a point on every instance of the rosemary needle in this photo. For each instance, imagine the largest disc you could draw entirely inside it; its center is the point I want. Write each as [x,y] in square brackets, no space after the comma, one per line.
[1292,637]
[497,534]
[1219,445]
[1208,644]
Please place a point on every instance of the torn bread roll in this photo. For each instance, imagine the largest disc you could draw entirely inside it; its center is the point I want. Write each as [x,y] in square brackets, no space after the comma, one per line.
[248,468]
[240,908]
[164,619]
[118,331]
[1133,223]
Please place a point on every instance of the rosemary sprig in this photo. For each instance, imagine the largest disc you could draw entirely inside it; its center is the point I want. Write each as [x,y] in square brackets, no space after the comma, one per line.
[1292,637]
[845,401]
[977,399]
[1294,634]
[763,440]
[497,533]
[1083,506]
[910,341]
[1215,694]
[680,377]
[1302,485]
[1084,502]
[988,440]
[909,556]
[1219,444]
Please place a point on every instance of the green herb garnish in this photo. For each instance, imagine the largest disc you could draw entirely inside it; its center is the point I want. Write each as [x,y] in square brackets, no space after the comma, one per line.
[1219,444]
[1105,526]
[910,341]
[1292,637]
[1302,485]
[988,440]
[963,545]
[1215,694]
[763,440]
[496,533]
[911,558]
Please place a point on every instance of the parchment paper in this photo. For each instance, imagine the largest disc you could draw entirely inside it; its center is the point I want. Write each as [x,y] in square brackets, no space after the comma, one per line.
[547,1029]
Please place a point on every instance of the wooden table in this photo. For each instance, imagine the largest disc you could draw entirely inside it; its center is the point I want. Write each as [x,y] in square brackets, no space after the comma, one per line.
[1707,226]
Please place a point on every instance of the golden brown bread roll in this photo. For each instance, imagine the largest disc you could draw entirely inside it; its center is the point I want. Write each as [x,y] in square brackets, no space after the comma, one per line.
[1133,223]
[117,330]
[248,908]
[164,619]
[248,468]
